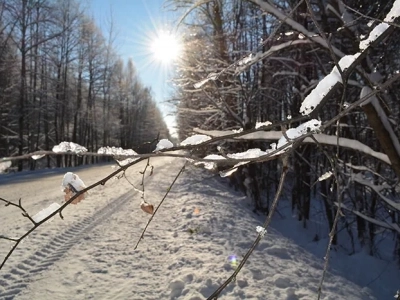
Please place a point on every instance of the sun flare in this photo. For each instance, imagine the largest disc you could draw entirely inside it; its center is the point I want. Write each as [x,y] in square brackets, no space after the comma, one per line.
[166,47]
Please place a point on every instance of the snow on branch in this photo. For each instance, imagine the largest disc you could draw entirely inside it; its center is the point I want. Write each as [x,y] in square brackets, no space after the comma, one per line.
[69,147]
[295,25]
[195,140]
[326,84]
[320,138]
[392,226]
[119,152]
[163,144]
[377,189]
[381,28]
[332,81]
[251,59]
[44,213]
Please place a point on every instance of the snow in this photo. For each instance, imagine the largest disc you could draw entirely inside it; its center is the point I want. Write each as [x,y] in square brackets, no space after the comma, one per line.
[261,230]
[261,124]
[210,165]
[383,224]
[119,152]
[211,76]
[163,144]
[44,213]
[250,153]
[394,12]
[326,84]
[377,189]
[321,138]
[373,35]
[4,165]
[69,147]
[381,28]
[293,133]
[194,243]
[382,115]
[74,180]
[325,176]
[36,157]
[195,139]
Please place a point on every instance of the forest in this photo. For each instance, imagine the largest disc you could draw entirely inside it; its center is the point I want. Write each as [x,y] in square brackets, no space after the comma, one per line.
[256,64]
[61,79]
[264,89]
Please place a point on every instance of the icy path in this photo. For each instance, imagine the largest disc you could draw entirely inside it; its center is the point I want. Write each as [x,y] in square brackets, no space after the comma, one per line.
[184,255]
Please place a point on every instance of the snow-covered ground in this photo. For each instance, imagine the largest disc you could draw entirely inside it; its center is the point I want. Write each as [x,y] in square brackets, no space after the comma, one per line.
[188,251]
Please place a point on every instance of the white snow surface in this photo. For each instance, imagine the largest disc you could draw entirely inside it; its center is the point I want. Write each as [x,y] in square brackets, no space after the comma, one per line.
[69,147]
[192,245]
[163,144]
[195,139]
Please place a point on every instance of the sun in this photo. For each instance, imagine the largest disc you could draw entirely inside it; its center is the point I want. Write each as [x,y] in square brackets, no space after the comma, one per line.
[166,47]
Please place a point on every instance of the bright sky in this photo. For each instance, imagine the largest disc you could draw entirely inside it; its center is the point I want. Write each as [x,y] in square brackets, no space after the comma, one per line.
[136,23]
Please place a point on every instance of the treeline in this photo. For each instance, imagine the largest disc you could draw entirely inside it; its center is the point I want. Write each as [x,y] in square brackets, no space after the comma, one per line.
[269,65]
[61,79]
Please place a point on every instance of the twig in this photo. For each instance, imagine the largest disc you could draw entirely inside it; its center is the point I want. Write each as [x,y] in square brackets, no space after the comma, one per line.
[59,211]
[19,205]
[159,205]
[260,235]
[7,238]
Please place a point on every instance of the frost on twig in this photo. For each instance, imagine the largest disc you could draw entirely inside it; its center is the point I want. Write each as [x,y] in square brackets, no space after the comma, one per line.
[261,231]
[211,76]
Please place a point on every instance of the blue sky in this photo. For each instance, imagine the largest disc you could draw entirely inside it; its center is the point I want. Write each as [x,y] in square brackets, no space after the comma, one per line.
[136,22]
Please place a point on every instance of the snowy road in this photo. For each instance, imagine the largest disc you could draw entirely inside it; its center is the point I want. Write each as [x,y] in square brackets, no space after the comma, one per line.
[186,253]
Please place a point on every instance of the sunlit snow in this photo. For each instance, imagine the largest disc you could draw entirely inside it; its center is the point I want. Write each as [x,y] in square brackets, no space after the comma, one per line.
[293,133]
[118,152]
[325,85]
[69,147]
[195,139]
[4,165]
[71,179]
[36,157]
[163,144]
[44,213]
[261,124]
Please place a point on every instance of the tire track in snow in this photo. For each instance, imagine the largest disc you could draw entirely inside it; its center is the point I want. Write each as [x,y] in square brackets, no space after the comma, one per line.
[19,277]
